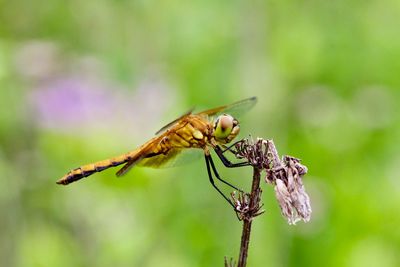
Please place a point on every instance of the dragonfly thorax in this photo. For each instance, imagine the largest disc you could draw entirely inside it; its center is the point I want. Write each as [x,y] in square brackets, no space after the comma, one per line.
[226,128]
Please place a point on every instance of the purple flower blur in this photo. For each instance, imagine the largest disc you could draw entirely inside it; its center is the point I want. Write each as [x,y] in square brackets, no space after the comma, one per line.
[76,103]
[71,102]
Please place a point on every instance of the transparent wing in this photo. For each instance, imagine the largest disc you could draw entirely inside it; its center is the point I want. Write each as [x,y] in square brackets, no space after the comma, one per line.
[164,128]
[129,165]
[235,109]
[175,157]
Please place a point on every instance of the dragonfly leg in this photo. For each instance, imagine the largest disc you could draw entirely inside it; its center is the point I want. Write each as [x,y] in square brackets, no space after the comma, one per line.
[218,177]
[210,176]
[226,161]
[229,148]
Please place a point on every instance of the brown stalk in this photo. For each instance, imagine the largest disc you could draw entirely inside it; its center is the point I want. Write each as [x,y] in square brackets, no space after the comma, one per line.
[247,221]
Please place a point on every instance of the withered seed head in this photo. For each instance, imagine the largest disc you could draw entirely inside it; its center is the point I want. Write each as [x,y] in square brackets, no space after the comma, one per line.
[285,174]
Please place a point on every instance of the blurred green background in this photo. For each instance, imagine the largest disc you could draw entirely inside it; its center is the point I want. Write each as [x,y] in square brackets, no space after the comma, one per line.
[81,81]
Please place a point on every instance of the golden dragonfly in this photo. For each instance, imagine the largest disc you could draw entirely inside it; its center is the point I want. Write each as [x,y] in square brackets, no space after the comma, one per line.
[209,129]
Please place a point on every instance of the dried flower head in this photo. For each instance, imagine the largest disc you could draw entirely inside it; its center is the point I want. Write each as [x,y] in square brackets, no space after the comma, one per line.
[289,190]
[247,210]
[286,176]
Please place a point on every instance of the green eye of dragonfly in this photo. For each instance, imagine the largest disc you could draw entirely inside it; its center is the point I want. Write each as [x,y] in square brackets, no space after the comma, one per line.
[223,126]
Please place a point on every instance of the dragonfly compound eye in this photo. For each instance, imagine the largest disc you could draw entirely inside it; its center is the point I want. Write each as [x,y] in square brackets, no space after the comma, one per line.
[223,126]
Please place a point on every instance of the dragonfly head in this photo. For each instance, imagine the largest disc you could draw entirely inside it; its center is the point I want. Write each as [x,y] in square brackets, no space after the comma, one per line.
[226,128]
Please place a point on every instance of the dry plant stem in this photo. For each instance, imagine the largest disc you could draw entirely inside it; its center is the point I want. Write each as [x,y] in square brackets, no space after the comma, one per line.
[246,230]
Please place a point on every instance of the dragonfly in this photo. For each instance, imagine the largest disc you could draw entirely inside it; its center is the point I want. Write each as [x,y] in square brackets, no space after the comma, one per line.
[207,130]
